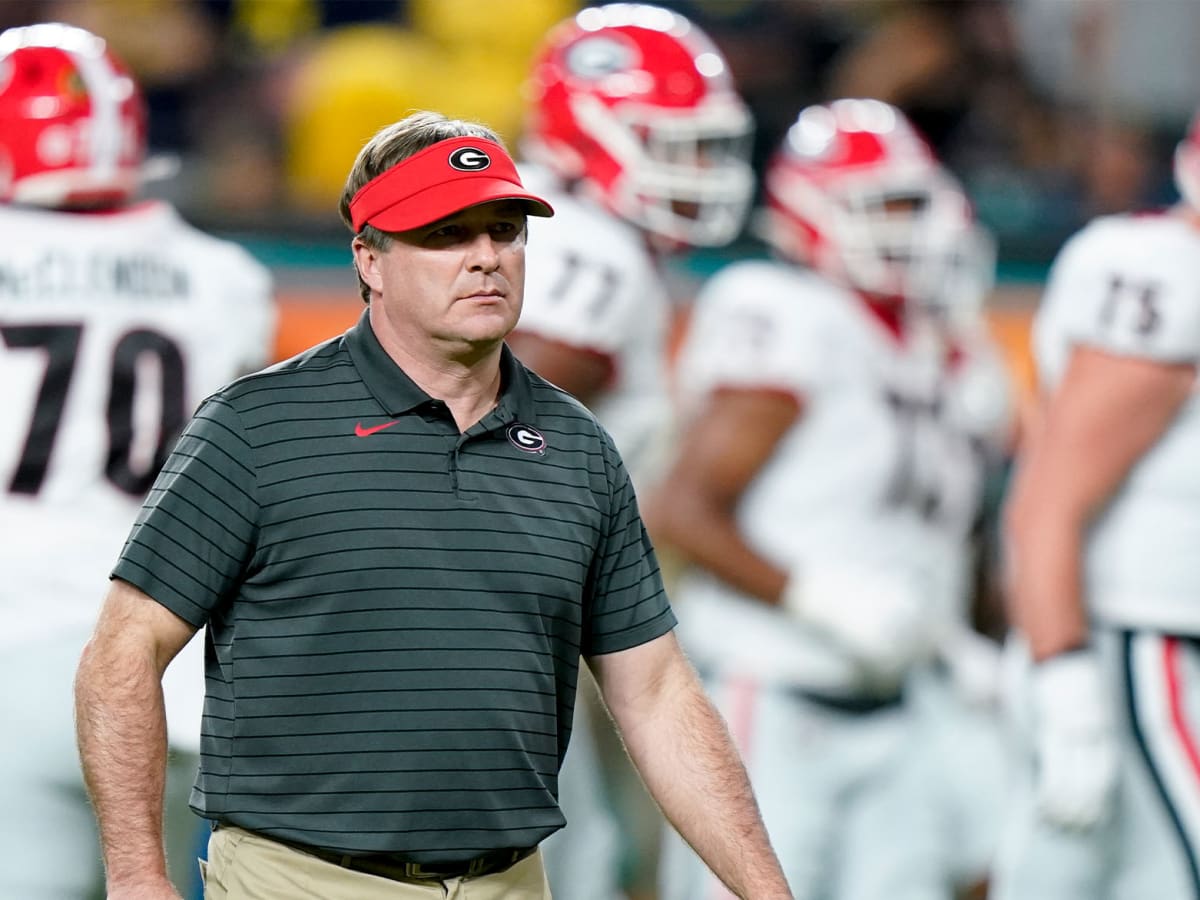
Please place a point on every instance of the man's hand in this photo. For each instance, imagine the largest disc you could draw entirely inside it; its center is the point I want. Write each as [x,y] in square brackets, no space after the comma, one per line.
[876,615]
[1077,749]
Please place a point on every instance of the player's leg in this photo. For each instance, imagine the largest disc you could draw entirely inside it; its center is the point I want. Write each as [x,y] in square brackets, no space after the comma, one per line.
[638,816]
[795,756]
[185,833]
[1035,861]
[965,762]
[48,844]
[1148,846]
[892,845]
[1160,816]
[583,859]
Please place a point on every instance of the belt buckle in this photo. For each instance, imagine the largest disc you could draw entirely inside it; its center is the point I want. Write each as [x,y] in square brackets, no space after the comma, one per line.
[419,872]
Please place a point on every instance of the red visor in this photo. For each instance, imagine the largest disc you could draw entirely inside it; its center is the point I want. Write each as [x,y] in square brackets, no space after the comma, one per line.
[438,181]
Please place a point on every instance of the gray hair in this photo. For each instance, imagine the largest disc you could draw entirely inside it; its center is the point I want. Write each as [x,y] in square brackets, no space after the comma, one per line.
[390,145]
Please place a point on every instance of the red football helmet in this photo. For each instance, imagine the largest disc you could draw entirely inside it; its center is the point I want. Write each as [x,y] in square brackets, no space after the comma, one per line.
[856,193]
[636,104]
[1187,165]
[72,120]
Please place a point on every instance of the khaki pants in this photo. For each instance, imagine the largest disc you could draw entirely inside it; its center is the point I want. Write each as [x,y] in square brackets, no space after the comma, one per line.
[246,866]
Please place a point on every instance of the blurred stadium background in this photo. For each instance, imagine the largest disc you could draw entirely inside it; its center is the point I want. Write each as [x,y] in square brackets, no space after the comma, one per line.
[1050,111]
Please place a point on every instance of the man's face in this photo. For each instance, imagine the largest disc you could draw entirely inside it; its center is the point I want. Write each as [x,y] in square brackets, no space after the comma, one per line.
[458,282]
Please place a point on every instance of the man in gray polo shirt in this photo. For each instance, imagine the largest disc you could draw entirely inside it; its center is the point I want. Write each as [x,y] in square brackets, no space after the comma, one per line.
[401,542]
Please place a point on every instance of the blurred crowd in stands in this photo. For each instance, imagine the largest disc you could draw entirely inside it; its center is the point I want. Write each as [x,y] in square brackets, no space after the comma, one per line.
[1050,111]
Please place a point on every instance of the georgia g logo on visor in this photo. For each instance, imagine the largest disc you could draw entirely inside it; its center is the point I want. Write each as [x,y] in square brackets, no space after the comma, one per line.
[469,159]
[526,438]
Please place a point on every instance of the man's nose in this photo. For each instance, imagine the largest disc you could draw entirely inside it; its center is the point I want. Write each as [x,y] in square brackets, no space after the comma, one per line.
[483,254]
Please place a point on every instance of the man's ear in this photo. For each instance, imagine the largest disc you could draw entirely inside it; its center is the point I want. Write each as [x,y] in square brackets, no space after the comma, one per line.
[366,260]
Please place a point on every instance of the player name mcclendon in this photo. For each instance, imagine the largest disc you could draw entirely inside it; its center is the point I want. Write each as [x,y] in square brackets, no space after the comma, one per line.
[67,274]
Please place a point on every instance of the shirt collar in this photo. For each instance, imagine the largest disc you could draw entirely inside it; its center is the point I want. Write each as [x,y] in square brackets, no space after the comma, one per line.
[398,394]
[516,395]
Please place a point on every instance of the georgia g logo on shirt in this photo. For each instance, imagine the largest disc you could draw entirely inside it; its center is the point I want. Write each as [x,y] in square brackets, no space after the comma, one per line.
[526,438]
[469,159]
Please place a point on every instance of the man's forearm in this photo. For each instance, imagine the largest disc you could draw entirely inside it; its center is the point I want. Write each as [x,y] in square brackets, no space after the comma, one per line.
[121,730]
[1048,605]
[684,753]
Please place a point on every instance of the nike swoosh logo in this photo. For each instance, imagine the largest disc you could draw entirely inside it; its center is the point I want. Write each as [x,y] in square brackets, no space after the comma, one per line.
[363,431]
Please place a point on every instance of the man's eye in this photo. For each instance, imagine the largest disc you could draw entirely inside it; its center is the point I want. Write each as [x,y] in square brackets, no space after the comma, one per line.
[448,231]
[505,230]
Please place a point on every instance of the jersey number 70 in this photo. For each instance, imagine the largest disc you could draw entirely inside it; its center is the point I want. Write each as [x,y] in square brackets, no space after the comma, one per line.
[60,343]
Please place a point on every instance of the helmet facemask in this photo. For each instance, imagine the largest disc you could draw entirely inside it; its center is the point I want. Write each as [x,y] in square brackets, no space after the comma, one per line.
[914,242]
[684,177]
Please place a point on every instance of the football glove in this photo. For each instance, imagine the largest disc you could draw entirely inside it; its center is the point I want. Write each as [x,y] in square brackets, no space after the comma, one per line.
[876,616]
[1075,739]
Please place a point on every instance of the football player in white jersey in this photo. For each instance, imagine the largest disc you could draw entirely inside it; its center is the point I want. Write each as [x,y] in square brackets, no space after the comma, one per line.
[636,133]
[822,492]
[1104,525]
[116,320]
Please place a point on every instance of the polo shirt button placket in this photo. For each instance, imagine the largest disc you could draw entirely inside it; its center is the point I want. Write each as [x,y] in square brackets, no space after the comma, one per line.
[455,465]
[454,471]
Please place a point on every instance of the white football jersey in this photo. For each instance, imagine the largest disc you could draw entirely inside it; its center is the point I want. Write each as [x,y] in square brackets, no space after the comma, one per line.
[978,404]
[882,469]
[113,328]
[1130,285]
[591,283]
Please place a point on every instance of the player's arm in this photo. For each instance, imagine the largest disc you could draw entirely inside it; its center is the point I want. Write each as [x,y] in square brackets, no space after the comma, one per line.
[877,616]
[121,730]
[694,507]
[579,371]
[682,750]
[1108,411]
[581,309]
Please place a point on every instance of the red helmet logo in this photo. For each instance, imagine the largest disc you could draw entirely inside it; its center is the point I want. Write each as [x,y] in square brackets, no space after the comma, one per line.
[597,57]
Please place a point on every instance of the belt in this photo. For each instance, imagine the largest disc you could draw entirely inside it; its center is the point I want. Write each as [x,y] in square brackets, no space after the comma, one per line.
[854,705]
[851,705]
[392,867]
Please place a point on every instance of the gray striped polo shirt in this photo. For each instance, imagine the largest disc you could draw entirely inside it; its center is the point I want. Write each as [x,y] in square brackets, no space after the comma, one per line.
[395,609]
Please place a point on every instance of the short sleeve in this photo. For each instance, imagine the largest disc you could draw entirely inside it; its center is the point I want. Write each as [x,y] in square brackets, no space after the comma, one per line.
[751,328]
[586,290]
[627,600]
[1129,286]
[195,534]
